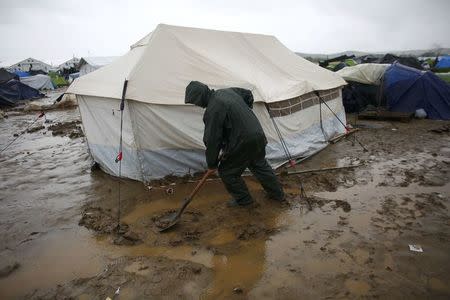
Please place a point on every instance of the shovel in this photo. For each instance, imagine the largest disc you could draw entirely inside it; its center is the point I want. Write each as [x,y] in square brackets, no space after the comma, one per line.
[173,219]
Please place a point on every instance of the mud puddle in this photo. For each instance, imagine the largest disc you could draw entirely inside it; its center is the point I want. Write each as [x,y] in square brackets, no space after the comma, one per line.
[352,244]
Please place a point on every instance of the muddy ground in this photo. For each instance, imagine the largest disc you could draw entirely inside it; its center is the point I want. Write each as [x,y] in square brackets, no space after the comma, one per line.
[60,238]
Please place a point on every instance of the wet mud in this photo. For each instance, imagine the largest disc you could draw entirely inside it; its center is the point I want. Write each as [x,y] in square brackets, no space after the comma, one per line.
[71,129]
[136,277]
[346,236]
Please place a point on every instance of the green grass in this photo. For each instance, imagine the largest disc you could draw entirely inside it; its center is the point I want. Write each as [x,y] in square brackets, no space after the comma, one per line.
[444,76]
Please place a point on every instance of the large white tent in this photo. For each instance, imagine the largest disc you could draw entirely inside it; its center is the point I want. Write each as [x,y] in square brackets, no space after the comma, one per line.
[163,136]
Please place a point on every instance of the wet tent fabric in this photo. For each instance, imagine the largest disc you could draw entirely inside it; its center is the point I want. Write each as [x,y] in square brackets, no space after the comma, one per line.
[5,76]
[443,62]
[357,96]
[409,61]
[22,73]
[13,91]
[39,82]
[160,67]
[163,136]
[407,89]
[363,87]
[364,73]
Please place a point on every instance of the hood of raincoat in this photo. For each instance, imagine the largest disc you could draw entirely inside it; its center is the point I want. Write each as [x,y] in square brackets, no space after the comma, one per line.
[198,94]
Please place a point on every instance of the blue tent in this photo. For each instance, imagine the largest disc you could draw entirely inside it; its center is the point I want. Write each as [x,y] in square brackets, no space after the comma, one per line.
[13,91]
[22,73]
[408,89]
[443,62]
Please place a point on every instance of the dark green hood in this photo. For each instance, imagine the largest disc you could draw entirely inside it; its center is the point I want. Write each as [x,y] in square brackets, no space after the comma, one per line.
[198,94]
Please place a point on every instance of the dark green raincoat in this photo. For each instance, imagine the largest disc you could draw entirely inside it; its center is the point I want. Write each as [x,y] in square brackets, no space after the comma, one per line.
[231,126]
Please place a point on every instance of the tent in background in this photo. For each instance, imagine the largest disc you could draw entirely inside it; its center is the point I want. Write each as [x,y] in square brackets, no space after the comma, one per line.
[6,76]
[92,63]
[13,91]
[73,76]
[57,80]
[39,82]
[443,62]
[163,136]
[364,73]
[22,73]
[363,87]
[409,61]
[407,89]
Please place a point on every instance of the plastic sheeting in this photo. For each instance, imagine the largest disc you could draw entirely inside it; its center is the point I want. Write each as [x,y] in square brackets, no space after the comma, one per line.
[6,76]
[160,66]
[13,91]
[160,140]
[364,73]
[39,82]
[407,89]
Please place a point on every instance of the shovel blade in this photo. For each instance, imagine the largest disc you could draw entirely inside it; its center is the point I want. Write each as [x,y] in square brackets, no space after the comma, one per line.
[168,222]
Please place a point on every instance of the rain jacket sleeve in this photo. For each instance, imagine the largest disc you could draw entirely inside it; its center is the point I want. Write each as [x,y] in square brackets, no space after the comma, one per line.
[246,95]
[214,119]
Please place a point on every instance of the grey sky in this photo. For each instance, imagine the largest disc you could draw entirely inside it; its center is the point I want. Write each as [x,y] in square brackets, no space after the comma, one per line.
[54,30]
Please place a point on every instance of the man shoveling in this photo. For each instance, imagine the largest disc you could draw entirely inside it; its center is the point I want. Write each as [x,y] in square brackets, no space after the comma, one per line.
[232,127]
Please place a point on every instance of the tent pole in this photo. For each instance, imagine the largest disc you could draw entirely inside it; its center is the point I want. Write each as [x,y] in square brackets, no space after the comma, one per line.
[340,121]
[120,155]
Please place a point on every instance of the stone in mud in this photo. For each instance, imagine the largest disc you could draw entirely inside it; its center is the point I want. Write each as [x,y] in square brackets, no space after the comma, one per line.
[192,235]
[342,204]
[70,129]
[131,236]
[97,220]
[121,241]
[34,129]
[7,270]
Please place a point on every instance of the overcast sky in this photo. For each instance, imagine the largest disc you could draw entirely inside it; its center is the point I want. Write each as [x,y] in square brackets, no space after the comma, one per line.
[55,30]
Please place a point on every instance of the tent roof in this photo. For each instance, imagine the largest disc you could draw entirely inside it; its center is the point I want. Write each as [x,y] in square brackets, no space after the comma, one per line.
[97,61]
[160,66]
[6,76]
[408,89]
[364,73]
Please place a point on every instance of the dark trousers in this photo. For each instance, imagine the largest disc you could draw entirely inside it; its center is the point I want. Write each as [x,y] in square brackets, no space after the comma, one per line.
[251,156]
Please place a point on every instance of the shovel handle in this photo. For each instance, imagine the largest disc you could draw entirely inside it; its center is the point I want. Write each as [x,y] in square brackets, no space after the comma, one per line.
[197,187]
[200,184]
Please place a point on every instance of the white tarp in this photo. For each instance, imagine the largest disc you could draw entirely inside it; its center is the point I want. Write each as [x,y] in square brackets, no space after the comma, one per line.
[161,139]
[364,73]
[91,63]
[160,66]
[39,82]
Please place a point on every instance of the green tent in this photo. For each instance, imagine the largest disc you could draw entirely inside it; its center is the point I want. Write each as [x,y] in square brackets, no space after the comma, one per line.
[57,80]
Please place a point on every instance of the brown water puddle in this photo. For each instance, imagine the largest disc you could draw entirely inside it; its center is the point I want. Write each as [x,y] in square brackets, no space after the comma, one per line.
[241,268]
[53,259]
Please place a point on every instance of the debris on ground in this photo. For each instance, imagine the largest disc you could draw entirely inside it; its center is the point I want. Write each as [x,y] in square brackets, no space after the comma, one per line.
[67,101]
[35,128]
[71,129]
[415,248]
[442,129]
[102,222]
